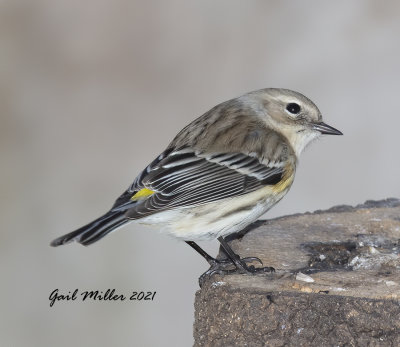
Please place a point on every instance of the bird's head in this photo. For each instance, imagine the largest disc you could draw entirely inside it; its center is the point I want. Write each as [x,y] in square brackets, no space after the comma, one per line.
[291,114]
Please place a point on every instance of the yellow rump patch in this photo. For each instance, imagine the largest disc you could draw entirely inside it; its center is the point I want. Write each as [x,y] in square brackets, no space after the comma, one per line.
[142,193]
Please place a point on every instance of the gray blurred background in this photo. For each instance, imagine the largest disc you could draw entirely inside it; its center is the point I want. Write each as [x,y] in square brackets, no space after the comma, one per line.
[91,91]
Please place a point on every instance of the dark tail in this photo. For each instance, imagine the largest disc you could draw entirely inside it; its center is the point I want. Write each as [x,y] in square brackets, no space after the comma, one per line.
[95,230]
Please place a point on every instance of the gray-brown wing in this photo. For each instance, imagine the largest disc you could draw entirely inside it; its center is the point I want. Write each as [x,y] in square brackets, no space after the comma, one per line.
[186,178]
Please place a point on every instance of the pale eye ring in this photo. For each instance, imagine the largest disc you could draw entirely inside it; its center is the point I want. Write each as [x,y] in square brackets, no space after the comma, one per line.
[293,108]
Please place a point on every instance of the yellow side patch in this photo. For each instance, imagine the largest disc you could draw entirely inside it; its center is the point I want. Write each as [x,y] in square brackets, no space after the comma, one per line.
[142,193]
[286,181]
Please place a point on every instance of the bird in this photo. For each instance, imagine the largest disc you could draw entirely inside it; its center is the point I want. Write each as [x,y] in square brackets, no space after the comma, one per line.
[218,175]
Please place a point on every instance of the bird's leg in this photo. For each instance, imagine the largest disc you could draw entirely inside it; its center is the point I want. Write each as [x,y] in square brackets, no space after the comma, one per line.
[220,262]
[240,263]
[202,252]
[218,266]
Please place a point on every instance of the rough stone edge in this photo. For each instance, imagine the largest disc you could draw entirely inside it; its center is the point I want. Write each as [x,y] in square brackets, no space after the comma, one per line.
[385,203]
[384,335]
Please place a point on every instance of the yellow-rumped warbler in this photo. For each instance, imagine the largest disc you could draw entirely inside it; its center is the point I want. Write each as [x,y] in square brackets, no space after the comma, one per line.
[219,174]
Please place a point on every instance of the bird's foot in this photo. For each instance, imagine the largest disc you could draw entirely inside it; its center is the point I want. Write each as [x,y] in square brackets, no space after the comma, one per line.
[243,268]
[238,265]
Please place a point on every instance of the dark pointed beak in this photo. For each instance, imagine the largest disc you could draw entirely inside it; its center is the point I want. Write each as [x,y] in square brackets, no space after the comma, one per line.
[326,129]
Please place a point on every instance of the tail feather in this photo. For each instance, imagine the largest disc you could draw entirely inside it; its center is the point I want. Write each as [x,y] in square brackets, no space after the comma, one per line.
[95,230]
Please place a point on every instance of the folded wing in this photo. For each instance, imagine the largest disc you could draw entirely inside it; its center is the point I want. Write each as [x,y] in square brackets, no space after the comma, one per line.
[188,178]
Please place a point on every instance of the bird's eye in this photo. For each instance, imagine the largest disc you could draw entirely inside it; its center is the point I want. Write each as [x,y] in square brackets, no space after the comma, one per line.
[293,108]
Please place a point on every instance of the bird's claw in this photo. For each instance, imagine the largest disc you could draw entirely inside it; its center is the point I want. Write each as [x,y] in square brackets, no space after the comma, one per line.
[228,266]
[251,259]
[217,268]
[228,262]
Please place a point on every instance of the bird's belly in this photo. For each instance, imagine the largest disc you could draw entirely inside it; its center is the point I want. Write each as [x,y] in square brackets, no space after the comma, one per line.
[216,219]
